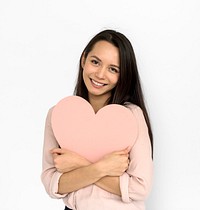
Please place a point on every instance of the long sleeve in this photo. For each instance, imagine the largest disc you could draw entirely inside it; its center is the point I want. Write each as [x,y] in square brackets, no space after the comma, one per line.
[136,183]
[50,176]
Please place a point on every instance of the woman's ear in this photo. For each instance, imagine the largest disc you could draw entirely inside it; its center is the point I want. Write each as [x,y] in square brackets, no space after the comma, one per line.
[83,60]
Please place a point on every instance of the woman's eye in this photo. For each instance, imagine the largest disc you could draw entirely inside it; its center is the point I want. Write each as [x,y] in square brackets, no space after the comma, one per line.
[114,70]
[95,62]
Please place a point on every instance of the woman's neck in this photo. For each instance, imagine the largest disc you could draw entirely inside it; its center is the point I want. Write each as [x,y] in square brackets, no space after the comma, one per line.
[97,102]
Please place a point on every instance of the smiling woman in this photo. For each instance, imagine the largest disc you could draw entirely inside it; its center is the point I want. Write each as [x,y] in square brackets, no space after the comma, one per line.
[101,71]
[121,179]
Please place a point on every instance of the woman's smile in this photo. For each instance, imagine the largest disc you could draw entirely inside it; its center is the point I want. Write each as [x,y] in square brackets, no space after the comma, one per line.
[101,70]
[97,84]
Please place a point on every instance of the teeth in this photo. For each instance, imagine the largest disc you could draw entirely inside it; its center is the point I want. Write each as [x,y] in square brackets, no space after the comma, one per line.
[96,83]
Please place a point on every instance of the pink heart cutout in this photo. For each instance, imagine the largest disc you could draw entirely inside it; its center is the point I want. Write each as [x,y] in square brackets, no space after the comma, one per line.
[77,128]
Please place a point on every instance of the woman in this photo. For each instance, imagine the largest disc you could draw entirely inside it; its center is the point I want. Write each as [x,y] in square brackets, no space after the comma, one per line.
[120,180]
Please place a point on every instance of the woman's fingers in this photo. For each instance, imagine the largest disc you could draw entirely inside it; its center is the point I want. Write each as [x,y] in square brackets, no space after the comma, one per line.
[59,151]
[124,151]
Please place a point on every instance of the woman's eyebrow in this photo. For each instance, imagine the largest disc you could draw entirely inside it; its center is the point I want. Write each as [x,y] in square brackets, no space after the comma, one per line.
[116,66]
[94,56]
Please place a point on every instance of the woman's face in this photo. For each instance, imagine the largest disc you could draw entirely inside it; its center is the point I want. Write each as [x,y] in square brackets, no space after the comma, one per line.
[101,69]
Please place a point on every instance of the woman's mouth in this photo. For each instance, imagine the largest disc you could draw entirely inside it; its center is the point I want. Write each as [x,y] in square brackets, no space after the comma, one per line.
[97,84]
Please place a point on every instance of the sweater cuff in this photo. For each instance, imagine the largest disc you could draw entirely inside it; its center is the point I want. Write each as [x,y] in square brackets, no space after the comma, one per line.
[124,183]
[54,186]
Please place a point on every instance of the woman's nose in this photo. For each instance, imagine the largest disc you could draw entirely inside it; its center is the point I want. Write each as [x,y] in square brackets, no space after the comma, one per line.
[100,73]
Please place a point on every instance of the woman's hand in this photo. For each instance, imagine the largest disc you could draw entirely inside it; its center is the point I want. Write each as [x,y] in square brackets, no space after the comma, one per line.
[115,163]
[66,160]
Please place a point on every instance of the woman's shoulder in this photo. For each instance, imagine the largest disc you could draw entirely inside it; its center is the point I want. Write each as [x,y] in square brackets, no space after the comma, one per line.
[49,113]
[50,110]
[136,110]
[133,107]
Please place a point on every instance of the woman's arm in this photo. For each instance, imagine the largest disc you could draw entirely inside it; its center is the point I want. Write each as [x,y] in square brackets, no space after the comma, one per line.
[79,178]
[50,176]
[66,161]
[110,184]
[104,173]
[135,183]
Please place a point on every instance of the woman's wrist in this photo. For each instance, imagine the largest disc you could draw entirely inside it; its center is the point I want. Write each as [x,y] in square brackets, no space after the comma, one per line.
[83,162]
[98,167]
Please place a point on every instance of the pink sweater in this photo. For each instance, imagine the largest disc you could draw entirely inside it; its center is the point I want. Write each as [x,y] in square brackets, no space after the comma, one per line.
[135,183]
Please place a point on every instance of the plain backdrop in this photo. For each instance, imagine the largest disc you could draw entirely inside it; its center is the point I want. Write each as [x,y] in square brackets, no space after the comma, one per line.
[40,45]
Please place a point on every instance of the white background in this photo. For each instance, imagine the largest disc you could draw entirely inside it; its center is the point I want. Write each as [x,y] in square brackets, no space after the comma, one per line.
[40,45]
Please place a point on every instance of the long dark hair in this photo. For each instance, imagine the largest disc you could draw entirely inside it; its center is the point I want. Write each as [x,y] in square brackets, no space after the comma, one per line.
[128,88]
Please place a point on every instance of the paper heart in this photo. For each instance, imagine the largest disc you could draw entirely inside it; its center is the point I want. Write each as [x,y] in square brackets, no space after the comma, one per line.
[77,127]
